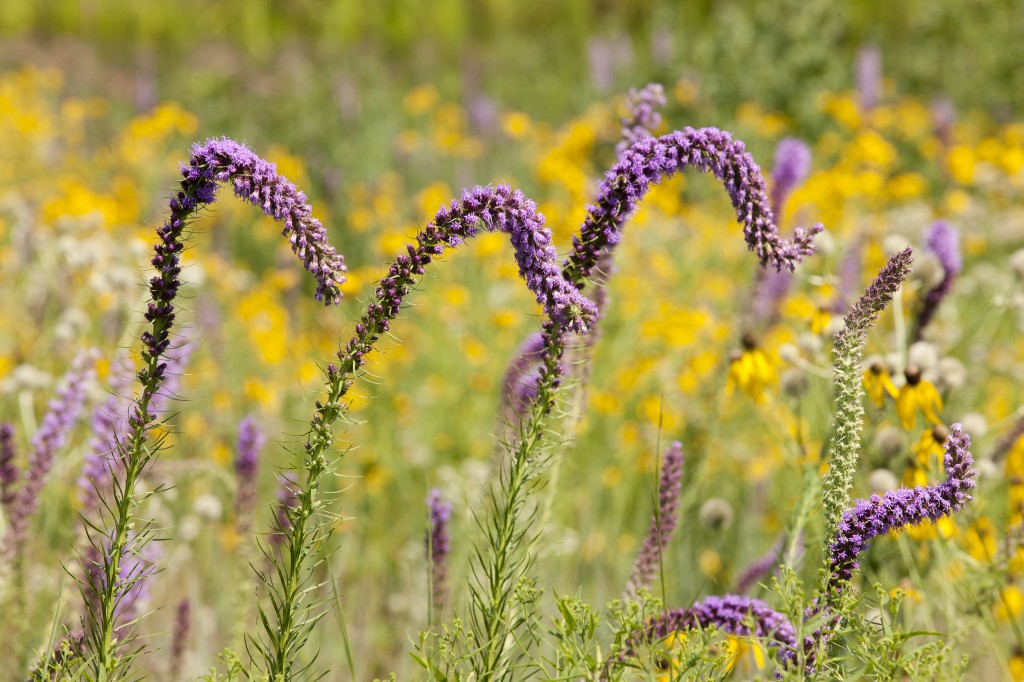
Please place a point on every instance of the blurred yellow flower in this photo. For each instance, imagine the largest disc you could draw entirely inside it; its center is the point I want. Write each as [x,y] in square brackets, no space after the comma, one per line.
[917,394]
[1010,604]
[878,383]
[750,371]
[421,99]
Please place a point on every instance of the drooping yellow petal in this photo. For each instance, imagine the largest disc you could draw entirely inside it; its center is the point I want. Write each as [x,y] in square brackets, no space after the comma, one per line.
[930,401]
[906,406]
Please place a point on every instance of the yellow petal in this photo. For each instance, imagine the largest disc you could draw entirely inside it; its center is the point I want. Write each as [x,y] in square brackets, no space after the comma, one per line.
[906,406]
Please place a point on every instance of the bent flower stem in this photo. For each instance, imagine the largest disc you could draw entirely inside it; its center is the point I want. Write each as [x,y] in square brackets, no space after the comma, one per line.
[257,182]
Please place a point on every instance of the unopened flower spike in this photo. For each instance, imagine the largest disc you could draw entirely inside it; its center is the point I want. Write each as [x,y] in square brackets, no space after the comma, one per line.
[848,353]
[8,469]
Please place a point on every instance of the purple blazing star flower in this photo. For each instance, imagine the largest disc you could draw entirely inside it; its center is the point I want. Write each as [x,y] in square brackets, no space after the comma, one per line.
[850,269]
[493,209]
[519,387]
[109,424]
[287,500]
[898,509]
[944,241]
[792,164]
[761,568]
[256,181]
[182,626]
[8,469]
[438,544]
[663,523]
[650,160]
[730,613]
[49,439]
[868,73]
[643,118]
[251,440]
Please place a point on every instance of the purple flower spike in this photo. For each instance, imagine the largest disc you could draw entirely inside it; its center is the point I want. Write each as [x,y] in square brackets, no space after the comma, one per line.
[8,469]
[507,210]
[762,567]
[250,441]
[792,164]
[519,387]
[868,73]
[256,181]
[439,545]
[650,160]
[287,500]
[643,118]
[663,524]
[109,425]
[493,209]
[898,509]
[49,439]
[730,613]
[173,372]
[944,241]
[182,626]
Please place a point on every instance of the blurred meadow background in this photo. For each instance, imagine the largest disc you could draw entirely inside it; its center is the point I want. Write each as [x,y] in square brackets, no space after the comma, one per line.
[382,113]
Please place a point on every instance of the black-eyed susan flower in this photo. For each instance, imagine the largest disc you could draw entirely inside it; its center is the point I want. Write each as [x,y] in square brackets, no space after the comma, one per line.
[878,382]
[917,394]
[750,371]
[1017,666]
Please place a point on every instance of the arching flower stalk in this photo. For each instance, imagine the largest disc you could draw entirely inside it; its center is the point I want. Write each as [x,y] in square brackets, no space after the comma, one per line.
[254,181]
[645,163]
[651,160]
[494,209]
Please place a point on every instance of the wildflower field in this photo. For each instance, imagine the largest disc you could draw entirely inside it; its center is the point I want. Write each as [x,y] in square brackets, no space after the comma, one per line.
[328,351]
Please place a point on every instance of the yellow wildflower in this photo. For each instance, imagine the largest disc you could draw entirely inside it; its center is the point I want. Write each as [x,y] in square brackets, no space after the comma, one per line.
[917,393]
[930,447]
[878,383]
[750,371]
[1017,667]
[1010,604]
